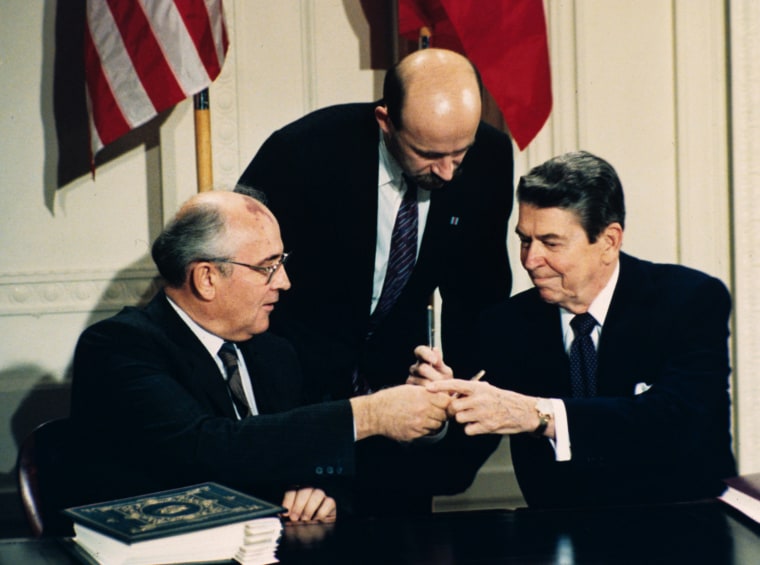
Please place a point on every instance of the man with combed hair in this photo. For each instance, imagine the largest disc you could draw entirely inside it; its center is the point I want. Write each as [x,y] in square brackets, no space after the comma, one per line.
[153,393]
[611,375]
[336,179]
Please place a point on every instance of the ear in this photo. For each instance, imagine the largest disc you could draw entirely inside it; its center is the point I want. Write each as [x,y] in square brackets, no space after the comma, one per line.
[203,279]
[612,240]
[383,120]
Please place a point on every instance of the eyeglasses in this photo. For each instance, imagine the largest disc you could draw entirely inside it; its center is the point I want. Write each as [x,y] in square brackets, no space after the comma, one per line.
[269,271]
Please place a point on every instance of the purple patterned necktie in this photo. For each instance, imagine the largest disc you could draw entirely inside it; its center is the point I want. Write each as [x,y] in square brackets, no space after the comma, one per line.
[402,256]
[401,259]
[229,358]
[583,357]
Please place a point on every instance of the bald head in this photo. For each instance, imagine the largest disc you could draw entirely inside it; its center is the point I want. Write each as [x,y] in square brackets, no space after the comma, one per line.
[236,209]
[432,84]
[430,114]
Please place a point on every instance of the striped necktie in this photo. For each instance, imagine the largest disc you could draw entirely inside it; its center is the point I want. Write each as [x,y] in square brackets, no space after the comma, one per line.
[228,355]
[402,256]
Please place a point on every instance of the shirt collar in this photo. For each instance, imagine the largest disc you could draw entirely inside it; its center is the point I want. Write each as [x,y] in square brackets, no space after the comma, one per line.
[210,341]
[389,170]
[601,304]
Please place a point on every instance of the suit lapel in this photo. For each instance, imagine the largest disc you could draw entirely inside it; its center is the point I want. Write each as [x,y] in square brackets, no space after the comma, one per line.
[358,209]
[626,322]
[196,365]
[550,353]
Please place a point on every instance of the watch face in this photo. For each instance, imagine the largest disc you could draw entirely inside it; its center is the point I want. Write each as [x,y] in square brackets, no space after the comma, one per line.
[544,406]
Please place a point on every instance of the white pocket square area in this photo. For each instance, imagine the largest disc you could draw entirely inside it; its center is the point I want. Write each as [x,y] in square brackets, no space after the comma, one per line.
[641,388]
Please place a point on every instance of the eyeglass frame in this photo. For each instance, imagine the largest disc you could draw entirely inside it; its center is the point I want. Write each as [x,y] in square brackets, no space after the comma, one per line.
[268,271]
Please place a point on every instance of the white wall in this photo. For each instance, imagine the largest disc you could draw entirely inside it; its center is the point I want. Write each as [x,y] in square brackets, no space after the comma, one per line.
[640,82]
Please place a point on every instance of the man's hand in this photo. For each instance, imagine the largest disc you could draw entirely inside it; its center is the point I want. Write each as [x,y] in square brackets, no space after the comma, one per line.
[308,505]
[485,409]
[403,412]
[429,367]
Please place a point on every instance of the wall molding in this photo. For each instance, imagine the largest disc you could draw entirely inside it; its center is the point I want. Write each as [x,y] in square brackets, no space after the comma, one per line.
[745,142]
[59,292]
[225,113]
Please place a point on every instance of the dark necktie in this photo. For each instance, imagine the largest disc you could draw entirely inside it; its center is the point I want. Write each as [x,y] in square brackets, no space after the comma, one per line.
[583,357]
[402,255]
[228,355]
[401,259]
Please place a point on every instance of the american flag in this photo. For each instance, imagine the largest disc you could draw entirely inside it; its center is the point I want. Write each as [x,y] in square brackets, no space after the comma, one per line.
[145,56]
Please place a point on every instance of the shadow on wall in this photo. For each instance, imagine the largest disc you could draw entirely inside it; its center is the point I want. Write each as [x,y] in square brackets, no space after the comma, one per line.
[48,397]
[64,103]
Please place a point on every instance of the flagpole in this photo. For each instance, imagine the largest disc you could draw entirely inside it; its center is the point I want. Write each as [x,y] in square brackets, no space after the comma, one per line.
[203,166]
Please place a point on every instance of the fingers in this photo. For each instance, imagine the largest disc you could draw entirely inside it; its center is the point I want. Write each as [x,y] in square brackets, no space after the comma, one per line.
[327,511]
[287,500]
[427,354]
[429,367]
[452,386]
[309,505]
[413,412]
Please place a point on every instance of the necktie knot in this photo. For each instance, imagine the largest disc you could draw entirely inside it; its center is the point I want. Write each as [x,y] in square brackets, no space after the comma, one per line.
[582,324]
[411,189]
[228,355]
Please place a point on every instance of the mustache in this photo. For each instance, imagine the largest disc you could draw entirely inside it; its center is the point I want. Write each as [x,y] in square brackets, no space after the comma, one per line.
[430,181]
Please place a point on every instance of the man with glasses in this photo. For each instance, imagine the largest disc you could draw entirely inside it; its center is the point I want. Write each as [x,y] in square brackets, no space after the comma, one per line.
[193,388]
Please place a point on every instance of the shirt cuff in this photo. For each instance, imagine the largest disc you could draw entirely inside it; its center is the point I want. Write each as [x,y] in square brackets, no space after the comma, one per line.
[561,441]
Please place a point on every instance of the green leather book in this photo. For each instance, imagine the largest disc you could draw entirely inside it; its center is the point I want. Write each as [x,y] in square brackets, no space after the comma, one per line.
[171,512]
[204,522]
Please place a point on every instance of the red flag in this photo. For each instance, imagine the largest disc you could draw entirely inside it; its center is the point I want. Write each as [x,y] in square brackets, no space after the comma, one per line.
[144,57]
[506,41]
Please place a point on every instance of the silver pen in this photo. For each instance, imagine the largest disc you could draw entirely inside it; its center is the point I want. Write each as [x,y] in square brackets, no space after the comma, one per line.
[430,326]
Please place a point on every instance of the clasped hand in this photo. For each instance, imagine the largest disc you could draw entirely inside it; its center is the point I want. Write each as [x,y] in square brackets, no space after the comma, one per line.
[479,406]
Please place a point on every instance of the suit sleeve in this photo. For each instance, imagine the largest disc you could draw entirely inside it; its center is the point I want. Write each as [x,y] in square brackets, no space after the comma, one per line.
[156,408]
[478,273]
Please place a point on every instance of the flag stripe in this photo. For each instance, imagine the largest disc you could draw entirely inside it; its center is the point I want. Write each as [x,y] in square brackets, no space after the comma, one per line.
[215,11]
[143,56]
[99,89]
[107,67]
[200,30]
[147,54]
[179,50]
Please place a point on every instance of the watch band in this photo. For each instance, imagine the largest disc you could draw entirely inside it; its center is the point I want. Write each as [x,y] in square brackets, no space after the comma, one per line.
[543,409]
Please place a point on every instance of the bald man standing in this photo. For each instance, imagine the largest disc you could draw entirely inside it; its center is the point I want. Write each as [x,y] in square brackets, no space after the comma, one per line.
[336,180]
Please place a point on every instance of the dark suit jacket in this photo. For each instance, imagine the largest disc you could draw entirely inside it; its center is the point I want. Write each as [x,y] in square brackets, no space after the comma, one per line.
[667,326]
[320,175]
[154,409]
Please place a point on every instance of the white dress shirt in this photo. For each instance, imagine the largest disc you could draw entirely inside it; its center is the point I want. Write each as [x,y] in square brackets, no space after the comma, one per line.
[213,343]
[598,310]
[391,188]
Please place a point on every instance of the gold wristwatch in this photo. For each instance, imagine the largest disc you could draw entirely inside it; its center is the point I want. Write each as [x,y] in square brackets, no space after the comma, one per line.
[545,412]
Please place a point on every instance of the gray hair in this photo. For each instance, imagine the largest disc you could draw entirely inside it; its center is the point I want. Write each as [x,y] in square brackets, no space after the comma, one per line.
[196,234]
